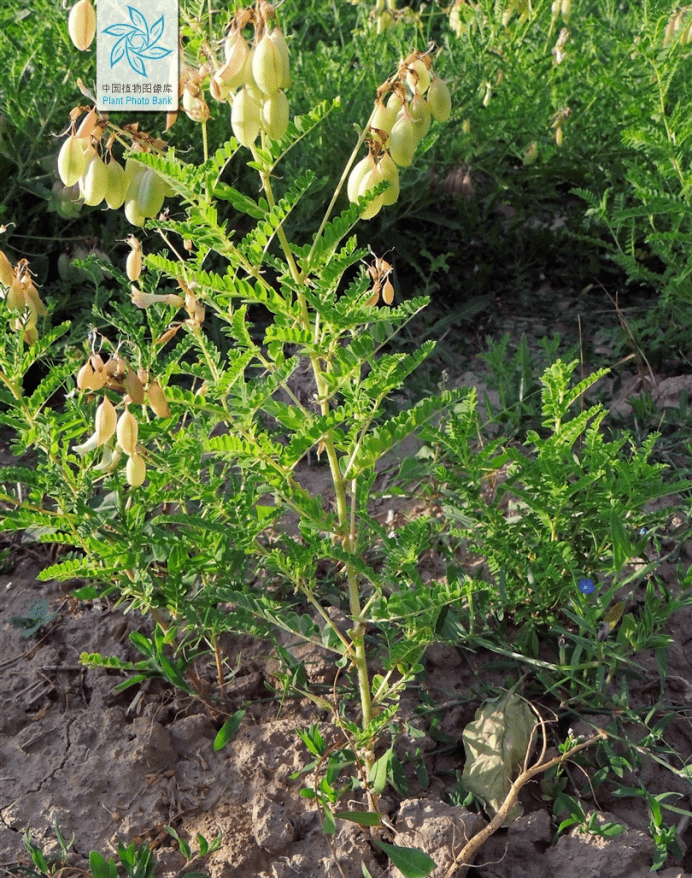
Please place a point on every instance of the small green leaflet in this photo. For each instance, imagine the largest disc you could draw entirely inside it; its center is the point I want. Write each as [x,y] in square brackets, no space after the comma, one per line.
[38,616]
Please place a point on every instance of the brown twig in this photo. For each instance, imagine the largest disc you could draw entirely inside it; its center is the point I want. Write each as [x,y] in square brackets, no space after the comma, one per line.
[465,856]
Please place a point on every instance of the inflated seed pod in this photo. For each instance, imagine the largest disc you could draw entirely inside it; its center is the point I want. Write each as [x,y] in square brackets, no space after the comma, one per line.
[439,99]
[133,387]
[15,299]
[369,181]
[116,184]
[6,270]
[194,105]
[383,119]
[157,400]
[274,115]
[279,40]
[71,160]
[81,24]
[33,298]
[149,193]
[133,213]
[94,182]
[133,264]
[85,377]
[236,51]
[105,421]
[88,123]
[403,140]
[390,173]
[267,65]
[245,118]
[126,432]
[418,77]
[420,115]
[364,166]
[135,470]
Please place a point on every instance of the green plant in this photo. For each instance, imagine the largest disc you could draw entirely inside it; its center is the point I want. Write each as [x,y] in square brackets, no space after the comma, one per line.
[646,214]
[171,472]
[544,515]
[135,861]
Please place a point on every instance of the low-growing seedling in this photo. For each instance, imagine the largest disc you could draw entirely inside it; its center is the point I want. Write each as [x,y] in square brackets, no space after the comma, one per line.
[135,861]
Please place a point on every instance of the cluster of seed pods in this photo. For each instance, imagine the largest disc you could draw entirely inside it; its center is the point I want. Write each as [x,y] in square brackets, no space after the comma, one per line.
[118,435]
[18,290]
[417,97]
[80,162]
[254,78]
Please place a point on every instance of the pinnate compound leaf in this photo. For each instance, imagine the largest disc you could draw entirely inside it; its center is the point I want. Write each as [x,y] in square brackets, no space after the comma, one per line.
[496,744]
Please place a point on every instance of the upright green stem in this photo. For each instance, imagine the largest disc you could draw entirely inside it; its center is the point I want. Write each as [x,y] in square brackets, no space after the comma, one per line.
[346,533]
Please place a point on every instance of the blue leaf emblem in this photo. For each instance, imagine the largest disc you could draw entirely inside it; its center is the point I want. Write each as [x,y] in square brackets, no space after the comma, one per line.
[137,41]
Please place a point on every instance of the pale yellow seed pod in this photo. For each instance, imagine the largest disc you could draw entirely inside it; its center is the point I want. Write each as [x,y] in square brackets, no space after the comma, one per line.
[558,135]
[403,140]
[245,118]
[105,421]
[157,400]
[133,264]
[71,160]
[85,377]
[81,24]
[418,77]
[439,100]
[195,107]
[132,213]
[388,292]
[274,115]
[133,387]
[126,432]
[88,124]
[150,193]
[390,173]
[116,184]
[31,335]
[16,300]
[267,66]
[33,298]
[94,182]
[279,40]
[135,470]
[394,104]
[369,181]
[355,178]
[421,115]
[232,74]
[6,270]
[383,119]
[99,380]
